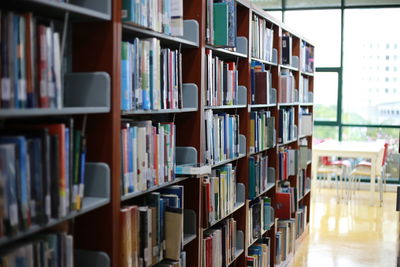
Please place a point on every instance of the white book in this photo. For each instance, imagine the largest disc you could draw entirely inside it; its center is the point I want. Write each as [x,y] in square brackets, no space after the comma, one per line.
[177,17]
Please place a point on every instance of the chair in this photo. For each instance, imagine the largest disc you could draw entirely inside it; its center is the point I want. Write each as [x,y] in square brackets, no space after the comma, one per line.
[364,169]
[339,168]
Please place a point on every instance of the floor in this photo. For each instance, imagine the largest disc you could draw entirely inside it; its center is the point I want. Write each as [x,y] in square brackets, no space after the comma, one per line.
[353,235]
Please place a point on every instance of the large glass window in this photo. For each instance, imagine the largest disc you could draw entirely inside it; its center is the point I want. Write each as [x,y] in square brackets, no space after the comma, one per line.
[325,133]
[391,137]
[325,96]
[268,4]
[276,14]
[322,28]
[371,58]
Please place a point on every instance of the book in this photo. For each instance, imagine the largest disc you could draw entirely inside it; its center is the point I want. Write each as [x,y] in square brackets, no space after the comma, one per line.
[262,127]
[286,49]
[151,76]
[148,155]
[222,136]
[262,39]
[164,16]
[221,23]
[258,175]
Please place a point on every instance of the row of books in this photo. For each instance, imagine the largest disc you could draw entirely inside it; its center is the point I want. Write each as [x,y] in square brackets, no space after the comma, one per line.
[261,84]
[259,254]
[287,91]
[286,56]
[288,163]
[260,176]
[305,122]
[285,237]
[148,155]
[261,217]
[219,244]
[30,63]
[164,16]
[222,82]
[222,136]
[306,57]
[221,23]
[305,95]
[45,250]
[301,220]
[219,193]
[262,130]
[287,128]
[42,168]
[151,77]
[262,38]
[303,183]
[153,230]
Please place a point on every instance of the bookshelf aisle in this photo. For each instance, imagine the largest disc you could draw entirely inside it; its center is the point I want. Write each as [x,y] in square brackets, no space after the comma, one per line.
[219,84]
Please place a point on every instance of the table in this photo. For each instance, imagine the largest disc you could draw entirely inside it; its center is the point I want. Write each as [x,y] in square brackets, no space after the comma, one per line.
[350,149]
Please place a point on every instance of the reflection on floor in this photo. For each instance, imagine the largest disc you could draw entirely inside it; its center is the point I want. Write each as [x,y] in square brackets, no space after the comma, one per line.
[350,235]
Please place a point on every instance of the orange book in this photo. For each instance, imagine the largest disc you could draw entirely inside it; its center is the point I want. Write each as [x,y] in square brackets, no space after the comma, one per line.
[125,237]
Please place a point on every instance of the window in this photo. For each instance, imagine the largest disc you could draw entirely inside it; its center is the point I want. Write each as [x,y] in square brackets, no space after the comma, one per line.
[370,2]
[359,29]
[325,133]
[325,95]
[322,27]
[390,135]
[276,14]
[313,3]
[268,3]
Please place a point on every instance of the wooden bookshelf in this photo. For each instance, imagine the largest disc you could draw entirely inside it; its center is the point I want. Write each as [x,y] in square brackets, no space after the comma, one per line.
[97,34]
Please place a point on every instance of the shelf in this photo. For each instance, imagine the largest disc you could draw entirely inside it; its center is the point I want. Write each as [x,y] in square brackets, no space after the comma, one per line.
[94,10]
[301,238]
[305,194]
[157,112]
[38,112]
[238,252]
[254,106]
[304,136]
[272,224]
[307,73]
[224,53]
[187,238]
[288,142]
[261,151]
[154,188]
[97,194]
[288,67]
[84,93]
[306,104]
[287,104]
[189,226]
[225,107]
[227,161]
[236,208]
[165,39]
[264,61]
[269,187]
[286,263]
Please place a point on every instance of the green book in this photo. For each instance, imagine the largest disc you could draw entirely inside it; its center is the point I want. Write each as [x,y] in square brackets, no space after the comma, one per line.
[221,24]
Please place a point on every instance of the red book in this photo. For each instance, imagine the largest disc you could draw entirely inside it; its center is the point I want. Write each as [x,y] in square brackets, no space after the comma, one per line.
[42,67]
[283,205]
[285,166]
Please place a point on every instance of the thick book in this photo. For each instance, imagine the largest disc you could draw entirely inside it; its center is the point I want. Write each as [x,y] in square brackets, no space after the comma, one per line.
[283,205]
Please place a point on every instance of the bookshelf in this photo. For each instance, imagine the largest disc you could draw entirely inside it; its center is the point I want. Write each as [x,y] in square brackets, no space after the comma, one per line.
[96,33]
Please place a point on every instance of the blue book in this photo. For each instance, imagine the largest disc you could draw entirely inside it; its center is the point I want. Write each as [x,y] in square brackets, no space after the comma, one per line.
[67,168]
[172,200]
[125,76]
[163,207]
[177,190]
[21,176]
[37,192]
[8,172]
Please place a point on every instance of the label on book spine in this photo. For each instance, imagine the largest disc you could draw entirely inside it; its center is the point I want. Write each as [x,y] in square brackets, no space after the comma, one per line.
[5,89]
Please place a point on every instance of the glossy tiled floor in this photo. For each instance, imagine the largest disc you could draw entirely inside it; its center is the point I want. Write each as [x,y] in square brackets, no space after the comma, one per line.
[353,235]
